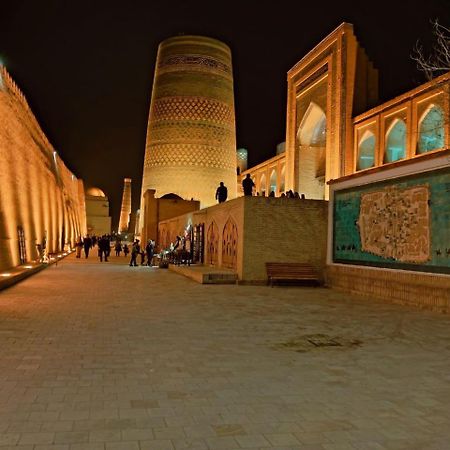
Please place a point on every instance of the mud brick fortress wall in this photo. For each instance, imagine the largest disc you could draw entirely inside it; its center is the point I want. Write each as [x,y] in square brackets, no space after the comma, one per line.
[40,198]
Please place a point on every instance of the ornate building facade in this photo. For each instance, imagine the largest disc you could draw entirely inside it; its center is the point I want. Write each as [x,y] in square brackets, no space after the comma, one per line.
[385,171]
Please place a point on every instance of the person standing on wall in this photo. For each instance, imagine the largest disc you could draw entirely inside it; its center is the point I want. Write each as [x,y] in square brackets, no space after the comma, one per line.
[248,185]
[221,193]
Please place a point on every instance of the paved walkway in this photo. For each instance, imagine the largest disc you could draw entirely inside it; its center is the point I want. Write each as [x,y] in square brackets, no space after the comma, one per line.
[108,357]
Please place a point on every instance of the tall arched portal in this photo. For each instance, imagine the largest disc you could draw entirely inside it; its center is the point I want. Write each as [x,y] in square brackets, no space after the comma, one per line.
[311,142]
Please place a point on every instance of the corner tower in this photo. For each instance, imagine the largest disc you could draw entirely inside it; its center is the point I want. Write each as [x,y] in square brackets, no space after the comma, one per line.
[191,134]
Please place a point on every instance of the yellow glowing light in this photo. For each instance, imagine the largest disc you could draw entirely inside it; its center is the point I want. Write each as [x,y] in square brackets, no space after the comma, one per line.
[65,254]
[28,267]
[6,274]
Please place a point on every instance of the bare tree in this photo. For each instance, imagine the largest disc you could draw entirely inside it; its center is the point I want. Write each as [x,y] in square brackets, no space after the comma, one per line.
[438,61]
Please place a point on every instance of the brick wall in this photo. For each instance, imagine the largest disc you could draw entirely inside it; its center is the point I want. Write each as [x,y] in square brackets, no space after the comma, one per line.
[284,230]
[269,229]
[425,290]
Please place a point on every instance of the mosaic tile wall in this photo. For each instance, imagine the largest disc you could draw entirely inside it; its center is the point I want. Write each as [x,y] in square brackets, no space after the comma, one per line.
[402,223]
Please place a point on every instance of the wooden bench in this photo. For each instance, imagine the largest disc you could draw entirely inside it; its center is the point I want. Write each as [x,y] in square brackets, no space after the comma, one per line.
[278,271]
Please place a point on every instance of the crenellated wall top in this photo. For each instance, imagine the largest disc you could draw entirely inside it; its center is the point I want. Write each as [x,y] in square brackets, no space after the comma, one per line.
[8,85]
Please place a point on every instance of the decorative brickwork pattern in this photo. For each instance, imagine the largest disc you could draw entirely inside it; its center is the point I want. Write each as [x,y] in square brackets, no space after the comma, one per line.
[191,108]
[201,63]
[194,132]
[191,138]
[423,290]
[188,155]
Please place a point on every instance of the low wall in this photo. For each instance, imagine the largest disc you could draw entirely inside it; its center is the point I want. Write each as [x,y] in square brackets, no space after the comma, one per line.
[425,290]
[264,230]
[283,230]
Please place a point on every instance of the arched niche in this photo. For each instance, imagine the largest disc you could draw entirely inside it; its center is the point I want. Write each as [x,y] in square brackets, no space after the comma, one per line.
[313,127]
[431,130]
[283,179]
[366,151]
[212,244]
[395,148]
[229,244]
[263,184]
[273,182]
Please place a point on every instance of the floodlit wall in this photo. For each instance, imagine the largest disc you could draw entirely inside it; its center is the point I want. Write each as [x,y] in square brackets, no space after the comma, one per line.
[245,233]
[409,126]
[329,85]
[40,198]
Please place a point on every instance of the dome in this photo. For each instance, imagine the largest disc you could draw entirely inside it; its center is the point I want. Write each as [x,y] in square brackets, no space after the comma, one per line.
[95,192]
[172,196]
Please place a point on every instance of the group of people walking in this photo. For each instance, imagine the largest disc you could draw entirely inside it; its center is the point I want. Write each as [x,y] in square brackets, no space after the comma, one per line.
[103,245]
[146,253]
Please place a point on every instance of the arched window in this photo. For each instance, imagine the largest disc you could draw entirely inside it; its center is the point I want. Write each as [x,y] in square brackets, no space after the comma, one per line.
[262,185]
[431,130]
[282,179]
[395,141]
[366,151]
[273,181]
[313,127]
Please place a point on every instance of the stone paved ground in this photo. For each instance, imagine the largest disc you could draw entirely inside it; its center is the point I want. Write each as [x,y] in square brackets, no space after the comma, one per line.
[110,357]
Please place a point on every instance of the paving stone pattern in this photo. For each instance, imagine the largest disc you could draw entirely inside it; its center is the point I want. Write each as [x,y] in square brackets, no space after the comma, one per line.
[108,357]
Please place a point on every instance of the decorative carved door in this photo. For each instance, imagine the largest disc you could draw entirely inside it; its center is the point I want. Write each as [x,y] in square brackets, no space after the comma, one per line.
[229,245]
[212,243]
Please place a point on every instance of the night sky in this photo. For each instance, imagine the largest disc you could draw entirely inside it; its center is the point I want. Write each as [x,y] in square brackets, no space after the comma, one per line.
[86,67]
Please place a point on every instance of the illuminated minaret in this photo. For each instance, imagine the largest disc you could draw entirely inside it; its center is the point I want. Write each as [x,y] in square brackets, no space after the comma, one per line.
[125,211]
[191,136]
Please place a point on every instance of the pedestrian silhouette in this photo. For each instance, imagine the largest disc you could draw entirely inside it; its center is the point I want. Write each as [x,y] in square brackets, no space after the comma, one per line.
[87,243]
[248,185]
[221,193]
[135,250]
